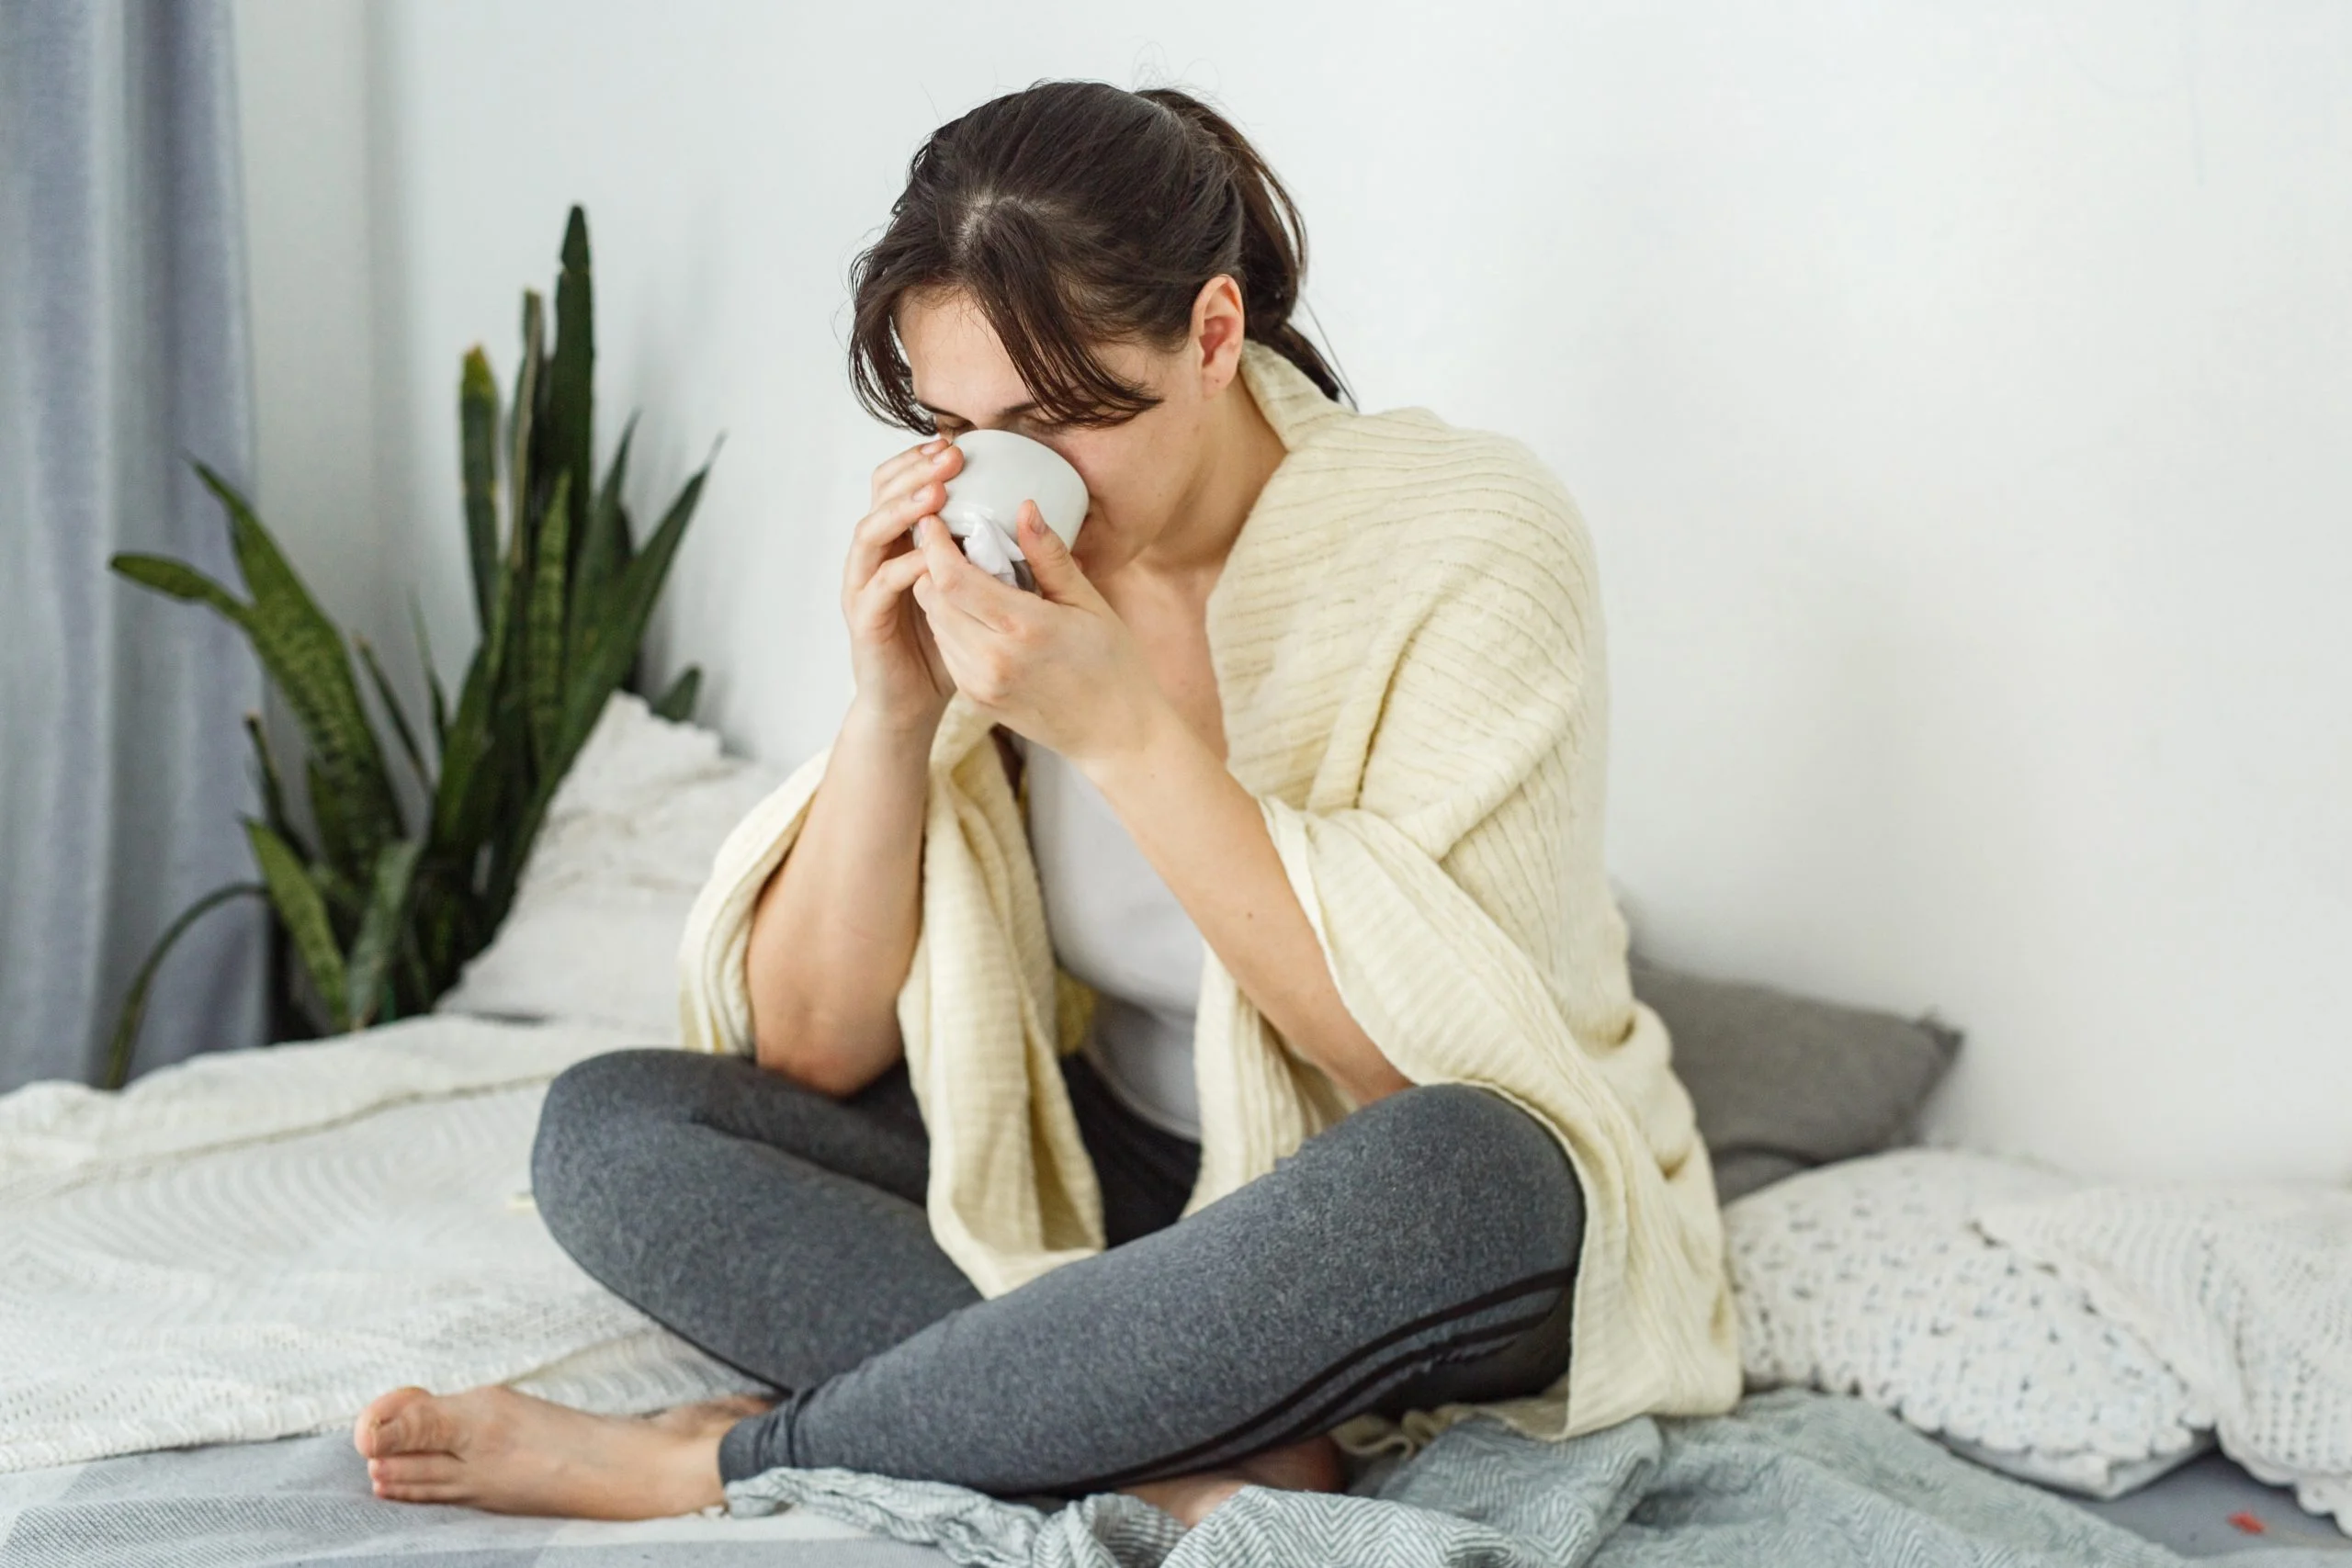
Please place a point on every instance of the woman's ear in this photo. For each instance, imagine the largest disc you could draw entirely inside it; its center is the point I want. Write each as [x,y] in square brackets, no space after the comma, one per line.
[1219,324]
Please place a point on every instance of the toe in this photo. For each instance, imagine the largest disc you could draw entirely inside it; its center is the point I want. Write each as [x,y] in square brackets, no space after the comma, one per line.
[415,1470]
[420,1424]
[368,1430]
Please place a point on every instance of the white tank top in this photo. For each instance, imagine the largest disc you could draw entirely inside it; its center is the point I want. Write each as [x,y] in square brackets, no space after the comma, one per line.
[1115,926]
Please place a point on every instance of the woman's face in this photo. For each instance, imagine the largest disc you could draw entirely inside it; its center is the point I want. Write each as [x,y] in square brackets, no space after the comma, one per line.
[1137,473]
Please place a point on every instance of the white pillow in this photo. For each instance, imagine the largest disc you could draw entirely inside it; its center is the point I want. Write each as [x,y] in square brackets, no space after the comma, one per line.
[2243,1288]
[628,841]
[1868,1277]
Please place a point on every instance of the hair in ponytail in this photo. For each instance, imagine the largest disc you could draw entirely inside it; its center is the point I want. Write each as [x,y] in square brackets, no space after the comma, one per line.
[1076,214]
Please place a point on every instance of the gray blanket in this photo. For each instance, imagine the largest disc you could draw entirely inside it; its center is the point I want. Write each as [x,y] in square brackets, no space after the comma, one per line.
[1791,1477]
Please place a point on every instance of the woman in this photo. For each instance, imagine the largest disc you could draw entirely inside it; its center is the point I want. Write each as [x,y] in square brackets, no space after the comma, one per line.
[1179,1031]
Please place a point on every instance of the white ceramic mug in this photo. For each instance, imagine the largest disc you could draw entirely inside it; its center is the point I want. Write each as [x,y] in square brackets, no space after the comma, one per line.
[983,506]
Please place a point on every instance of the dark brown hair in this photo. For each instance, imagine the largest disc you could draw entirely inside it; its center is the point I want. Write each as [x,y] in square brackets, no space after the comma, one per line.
[1074,214]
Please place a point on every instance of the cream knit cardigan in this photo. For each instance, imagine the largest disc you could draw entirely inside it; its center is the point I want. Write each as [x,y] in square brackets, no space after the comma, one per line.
[1407,644]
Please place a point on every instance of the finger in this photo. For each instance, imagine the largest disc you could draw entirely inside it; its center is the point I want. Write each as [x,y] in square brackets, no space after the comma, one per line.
[881,529]
[893,468]
[948,628]
[965,587]
[874,604]
[1050,563]
[965,645]
[933,468]
[913,487]
[977,658]
[879,534]
[944,559]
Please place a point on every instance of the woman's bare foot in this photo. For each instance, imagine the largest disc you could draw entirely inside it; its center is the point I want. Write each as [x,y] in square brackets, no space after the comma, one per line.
[1309,1466]
[493,1448]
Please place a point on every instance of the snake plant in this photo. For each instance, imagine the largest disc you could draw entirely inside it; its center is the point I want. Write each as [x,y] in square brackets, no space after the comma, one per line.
[380,911]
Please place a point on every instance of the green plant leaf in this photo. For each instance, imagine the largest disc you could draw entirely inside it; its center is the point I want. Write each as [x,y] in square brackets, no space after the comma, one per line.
[478,447]
[339,843]
[379,927]
[134,1002]
[521,773]
[299,906]
[468,779]
[677,703]
[565,437]
[432,675]
[180,581]
[273,787]
[514,771]
[479,762]
[608,663]
[412,991]
[392,707]
[603,554]
[303,653]
[342,895]
[513,850]
[522,516]
[543,648]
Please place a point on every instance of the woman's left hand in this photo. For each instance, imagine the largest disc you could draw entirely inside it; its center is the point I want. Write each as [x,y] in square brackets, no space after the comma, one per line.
[1058,666]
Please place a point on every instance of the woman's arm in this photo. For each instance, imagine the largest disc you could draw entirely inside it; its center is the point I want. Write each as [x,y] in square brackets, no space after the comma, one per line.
[1206,836]
[833,932]
[1062,668]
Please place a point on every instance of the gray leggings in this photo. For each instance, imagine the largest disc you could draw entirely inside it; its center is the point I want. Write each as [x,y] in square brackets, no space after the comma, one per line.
[1423,1249]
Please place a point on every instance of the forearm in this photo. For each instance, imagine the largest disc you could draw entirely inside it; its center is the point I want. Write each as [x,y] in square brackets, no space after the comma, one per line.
[1206,836]
[834,930]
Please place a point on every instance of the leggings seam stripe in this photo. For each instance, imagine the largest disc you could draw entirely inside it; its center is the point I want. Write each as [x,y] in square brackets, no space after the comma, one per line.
[1321,1421]
[1238,1436]
[1315,1385]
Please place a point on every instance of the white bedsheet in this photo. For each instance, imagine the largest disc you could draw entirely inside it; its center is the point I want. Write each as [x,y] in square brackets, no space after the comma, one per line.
[253,1243]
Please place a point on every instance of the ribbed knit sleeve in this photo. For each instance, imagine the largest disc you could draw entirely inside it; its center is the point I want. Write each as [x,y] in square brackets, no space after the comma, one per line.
[1461,900]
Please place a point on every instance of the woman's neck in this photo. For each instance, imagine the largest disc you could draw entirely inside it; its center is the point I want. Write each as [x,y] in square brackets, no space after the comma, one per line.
[1241,452]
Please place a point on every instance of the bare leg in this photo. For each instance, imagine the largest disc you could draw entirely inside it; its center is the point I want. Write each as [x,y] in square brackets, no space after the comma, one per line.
[493,1448]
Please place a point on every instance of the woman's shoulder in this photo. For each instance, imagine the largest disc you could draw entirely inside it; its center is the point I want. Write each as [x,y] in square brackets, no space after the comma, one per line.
[1405,485]
[1405,479]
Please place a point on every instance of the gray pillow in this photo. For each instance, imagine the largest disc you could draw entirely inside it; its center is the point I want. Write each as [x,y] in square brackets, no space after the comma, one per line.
[1782,1083]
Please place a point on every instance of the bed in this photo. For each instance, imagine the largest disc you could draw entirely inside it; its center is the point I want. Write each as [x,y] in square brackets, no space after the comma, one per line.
[208,1274]
[305,1499]
[216,1268]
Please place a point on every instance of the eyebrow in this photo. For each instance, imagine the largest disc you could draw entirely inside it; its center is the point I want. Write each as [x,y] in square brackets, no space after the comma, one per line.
[1016,411]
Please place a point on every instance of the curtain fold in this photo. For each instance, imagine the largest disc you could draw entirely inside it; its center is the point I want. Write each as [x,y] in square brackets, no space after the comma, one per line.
[123,353]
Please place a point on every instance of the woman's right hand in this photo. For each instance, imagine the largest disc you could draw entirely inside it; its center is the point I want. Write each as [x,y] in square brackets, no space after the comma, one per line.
[901,679]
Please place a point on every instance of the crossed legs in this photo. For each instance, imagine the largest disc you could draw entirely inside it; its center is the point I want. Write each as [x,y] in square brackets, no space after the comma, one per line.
[1422,1250]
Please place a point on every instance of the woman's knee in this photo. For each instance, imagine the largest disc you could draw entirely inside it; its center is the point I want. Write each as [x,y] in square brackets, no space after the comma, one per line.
[590,1118]
[1465,1156]
[587,1098]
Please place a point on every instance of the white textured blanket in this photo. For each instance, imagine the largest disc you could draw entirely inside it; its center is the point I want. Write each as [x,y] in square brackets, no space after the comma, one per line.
[253,1243]
[2246,1292]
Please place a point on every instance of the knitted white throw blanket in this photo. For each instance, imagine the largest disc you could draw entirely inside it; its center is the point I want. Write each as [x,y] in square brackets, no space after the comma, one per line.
[2246,1292]
[255,1243]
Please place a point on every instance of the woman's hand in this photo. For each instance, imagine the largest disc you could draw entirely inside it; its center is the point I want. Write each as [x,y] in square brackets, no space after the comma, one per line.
[1058,665]
[901,678]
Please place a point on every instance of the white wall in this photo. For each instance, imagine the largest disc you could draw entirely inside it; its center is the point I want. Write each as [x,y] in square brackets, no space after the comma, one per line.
[1959,395]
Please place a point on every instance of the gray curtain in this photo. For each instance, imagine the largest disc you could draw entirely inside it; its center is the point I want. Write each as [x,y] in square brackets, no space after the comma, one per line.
[122,352]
